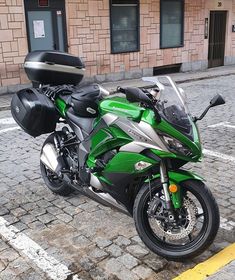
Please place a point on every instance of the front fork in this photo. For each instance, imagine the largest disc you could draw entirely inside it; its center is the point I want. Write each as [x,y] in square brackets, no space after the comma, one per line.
[173,201]
[165,184]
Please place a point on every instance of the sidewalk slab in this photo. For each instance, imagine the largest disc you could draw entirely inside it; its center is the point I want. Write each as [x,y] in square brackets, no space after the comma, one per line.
[5,101]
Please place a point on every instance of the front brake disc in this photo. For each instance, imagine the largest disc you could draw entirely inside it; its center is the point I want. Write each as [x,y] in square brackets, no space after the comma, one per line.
[177,232]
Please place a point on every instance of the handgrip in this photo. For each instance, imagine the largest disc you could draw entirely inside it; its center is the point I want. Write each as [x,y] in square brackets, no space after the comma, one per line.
[120,89]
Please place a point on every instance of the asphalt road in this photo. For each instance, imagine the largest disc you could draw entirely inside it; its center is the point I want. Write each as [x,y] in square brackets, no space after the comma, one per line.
[78,237]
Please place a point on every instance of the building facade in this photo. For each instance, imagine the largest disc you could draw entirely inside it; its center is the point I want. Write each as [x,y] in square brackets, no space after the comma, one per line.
[118,39]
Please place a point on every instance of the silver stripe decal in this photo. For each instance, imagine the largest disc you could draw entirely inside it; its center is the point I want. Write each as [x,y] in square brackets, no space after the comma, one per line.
[138,147]
[109,118]
[53,67]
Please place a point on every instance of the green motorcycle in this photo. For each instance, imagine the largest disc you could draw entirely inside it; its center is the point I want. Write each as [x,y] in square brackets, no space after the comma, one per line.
[127,152]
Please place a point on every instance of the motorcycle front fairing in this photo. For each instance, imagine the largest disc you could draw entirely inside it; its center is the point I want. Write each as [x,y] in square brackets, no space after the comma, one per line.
[176,128]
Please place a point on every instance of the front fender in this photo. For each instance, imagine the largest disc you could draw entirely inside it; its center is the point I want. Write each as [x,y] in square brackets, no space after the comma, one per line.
[179,176]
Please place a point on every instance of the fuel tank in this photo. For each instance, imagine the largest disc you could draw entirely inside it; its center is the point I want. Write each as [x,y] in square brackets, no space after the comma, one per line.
[121,107]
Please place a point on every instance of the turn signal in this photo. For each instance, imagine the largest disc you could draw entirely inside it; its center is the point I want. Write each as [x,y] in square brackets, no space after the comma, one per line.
[173,188]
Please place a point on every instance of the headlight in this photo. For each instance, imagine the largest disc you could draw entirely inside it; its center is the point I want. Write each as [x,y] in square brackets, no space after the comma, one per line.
[176,146]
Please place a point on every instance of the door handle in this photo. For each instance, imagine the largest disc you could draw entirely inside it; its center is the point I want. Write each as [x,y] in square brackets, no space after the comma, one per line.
[54,46]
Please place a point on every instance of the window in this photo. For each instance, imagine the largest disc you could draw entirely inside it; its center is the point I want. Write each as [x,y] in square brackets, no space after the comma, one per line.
[172,23]
[124,22]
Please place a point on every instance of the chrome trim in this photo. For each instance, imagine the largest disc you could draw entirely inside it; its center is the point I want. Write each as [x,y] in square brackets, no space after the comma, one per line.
[54,67]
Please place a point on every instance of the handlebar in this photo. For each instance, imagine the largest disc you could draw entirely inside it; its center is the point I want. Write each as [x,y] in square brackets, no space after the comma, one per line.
[139,95]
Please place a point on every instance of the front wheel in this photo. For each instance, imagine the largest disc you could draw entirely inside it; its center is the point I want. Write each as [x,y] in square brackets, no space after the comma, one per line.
[183,233]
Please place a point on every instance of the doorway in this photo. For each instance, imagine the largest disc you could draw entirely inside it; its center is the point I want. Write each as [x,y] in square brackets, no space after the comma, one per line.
[217,38]
[46,25]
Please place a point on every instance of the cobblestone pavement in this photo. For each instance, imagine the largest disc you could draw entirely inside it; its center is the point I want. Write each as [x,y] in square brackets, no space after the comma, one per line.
[93,241]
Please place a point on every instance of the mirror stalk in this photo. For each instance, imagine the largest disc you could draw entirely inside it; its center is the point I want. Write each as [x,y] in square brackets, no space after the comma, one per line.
[195,119]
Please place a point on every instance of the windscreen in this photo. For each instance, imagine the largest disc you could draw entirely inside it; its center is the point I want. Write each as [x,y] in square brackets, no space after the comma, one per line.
[171,104]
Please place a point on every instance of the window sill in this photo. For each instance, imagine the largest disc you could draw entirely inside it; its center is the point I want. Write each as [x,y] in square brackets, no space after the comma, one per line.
[173,47]
[120,52]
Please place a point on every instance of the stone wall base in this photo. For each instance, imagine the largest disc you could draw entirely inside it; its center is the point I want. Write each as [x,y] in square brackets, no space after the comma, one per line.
[13,88]
[123,75]
[194,66]
[229,60]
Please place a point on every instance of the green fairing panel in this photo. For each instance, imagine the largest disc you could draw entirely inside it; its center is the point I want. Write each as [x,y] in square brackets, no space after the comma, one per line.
[121,107]
[61,106]
[176,177]
[107,139]
[124,162]
[167,128]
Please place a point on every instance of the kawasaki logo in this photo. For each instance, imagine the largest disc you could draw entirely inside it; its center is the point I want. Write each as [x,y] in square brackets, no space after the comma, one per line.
[137,135]
[17,109]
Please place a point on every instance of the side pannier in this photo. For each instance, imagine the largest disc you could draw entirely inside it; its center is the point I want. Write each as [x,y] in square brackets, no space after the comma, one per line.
[34,112]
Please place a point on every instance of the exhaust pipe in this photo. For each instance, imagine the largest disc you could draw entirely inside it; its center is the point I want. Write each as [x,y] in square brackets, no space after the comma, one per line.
[51,159]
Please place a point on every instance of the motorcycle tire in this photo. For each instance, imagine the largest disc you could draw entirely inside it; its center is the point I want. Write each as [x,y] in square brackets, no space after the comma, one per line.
[165,248]
[55,184]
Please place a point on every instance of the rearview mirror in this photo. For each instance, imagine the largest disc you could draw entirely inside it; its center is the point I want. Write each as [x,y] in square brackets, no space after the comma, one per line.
[217,100]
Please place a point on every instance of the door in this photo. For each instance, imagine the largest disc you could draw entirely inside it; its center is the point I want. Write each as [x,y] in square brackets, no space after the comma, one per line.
[46,25]
[217,38]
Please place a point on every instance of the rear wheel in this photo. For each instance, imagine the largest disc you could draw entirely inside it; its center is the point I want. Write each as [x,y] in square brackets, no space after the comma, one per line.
[186,233]
[52,181]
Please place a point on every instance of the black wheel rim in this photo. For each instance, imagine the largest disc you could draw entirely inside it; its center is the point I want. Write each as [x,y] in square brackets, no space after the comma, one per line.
[162,242]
